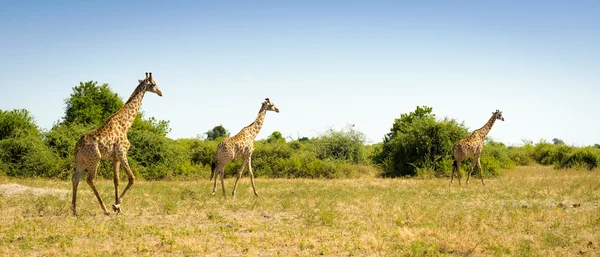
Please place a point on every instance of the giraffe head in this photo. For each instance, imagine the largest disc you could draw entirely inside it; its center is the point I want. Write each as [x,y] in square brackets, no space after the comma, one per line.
[267,105]
[498,115]
[149,85]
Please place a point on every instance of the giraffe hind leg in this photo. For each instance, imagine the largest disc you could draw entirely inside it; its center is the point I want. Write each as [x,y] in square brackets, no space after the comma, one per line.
[76,177]
[116,167]
[239,175]
[471,171]
[90,180]
[453,169]
[214,176]
[222,175]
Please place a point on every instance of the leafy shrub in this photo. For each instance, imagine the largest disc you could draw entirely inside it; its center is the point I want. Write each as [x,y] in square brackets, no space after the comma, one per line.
[521,156]
[495,156]
[581,158]
[22,151]
[418,142]
[345,145]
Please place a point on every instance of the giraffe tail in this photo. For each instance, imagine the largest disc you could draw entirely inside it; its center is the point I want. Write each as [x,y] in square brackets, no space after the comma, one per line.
[213,165]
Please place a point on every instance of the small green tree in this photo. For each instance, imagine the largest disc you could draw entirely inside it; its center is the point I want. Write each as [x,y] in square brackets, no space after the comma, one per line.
[22,151]
[417,142]
[344,145]
[91,104]
[275,137]
[15,123]
[557,141]
[217,132]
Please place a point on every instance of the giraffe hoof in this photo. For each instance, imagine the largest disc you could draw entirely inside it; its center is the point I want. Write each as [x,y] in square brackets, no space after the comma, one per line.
[116,208]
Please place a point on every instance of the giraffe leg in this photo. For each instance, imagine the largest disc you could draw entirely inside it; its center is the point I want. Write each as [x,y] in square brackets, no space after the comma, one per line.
[239,175]
[251,175]
[458,175]
[453,168]
[222,174]
[480,170]
[76,176]
[215,176]
[469,175]
[123,159]
[116,167]
[90,180]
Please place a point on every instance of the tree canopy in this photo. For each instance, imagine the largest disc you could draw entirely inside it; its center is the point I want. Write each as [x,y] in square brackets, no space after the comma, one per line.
[217,132]
[418,141]
[91,104]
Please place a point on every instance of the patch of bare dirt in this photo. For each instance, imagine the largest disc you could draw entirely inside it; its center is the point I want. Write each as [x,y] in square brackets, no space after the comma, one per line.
[9,190]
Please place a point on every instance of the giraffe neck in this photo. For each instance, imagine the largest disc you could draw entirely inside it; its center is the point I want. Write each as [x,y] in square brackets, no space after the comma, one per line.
[483,131]
[129,111]
[255,127]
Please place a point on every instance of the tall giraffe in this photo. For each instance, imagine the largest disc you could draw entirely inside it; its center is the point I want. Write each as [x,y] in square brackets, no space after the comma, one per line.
[472,147]
[110,142]
[240,146]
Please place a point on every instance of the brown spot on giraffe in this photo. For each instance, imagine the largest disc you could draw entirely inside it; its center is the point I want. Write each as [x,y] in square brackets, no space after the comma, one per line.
[109,142]
[240,146]
[472,147]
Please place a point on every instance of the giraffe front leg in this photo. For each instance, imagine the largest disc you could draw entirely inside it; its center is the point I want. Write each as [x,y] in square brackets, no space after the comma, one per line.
[239,175]
[251,175]
[480,170]
[117,207]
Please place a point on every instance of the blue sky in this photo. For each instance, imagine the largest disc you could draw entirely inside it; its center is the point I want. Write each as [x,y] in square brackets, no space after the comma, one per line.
[324,63]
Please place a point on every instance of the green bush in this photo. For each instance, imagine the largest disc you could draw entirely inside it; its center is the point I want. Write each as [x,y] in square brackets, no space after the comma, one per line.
[17,123]
[495,156]
[90,104]
[419,143]
[581,158]
[22,151]
[346,145]
[522,155]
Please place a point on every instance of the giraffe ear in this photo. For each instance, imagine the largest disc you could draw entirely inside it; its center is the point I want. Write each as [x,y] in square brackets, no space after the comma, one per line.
[140,81]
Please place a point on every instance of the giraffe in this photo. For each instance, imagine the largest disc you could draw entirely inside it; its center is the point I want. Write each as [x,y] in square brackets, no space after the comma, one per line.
[240,146]
[471,147]
[110,142]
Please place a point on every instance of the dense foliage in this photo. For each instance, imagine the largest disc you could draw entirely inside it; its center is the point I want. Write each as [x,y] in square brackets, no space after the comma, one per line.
[22,150]
[418,144]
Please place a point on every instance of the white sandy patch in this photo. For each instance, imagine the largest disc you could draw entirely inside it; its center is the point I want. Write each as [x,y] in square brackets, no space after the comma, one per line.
[9,190]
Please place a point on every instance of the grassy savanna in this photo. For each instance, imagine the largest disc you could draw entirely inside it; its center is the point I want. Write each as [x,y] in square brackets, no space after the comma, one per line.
[529,211]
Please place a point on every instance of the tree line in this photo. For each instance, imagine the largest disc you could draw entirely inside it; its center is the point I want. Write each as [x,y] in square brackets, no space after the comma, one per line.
[418,144]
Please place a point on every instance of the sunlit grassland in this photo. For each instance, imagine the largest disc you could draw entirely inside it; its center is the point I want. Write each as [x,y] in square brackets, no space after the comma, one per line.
[529,211]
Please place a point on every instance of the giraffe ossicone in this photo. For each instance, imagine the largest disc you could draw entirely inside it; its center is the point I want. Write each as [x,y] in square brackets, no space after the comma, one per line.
[472,147]
[109,142]
[240,146]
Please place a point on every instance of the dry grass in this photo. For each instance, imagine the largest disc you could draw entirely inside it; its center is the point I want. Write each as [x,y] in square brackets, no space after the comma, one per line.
[530,211]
